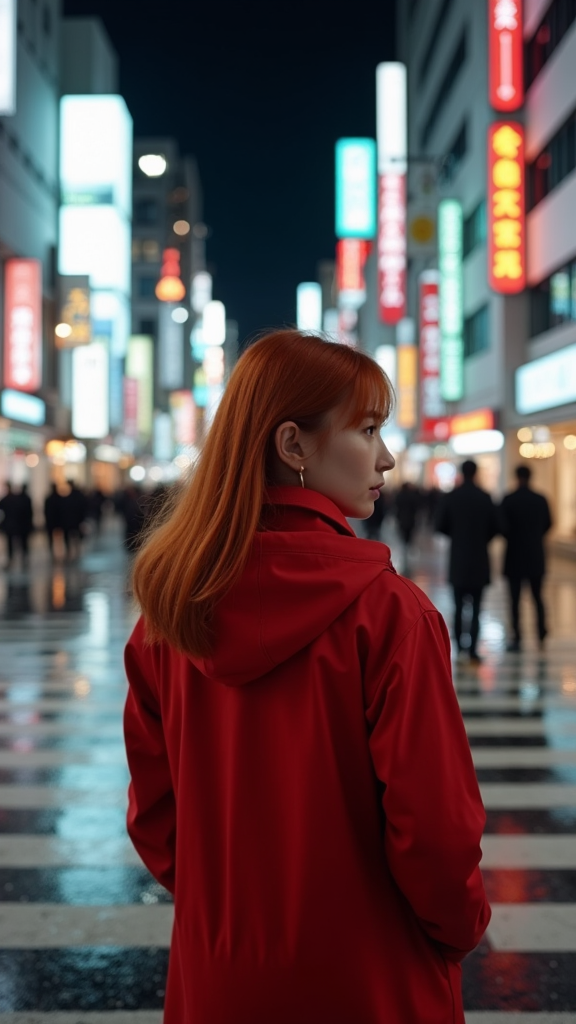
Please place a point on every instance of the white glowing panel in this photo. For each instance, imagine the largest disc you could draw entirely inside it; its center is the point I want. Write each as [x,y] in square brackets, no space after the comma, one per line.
[385,356]
[170,348]
[90,417]
[309,306]
[7,57]
[475,442]
[113,306]
[201,291]
[96,151]
[214,323]
[95,240]
[547,382]
[391,123]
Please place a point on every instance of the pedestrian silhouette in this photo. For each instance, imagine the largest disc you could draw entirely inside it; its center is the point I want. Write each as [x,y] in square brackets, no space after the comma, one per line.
[525,519]
[53,515]
[9,520]
[73,518]
[468,516]
[25,516]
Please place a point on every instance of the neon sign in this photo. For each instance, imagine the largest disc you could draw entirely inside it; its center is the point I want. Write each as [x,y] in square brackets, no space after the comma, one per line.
[23,324]
[506,218]
[506,87]
[450,254]
[392,165]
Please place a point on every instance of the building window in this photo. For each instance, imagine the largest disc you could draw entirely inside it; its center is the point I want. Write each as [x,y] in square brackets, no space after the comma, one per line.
[553,164]
[455,155]
[475,228]
[148,326]
[553,301]
[145,250]
[455,64]
[549,34]
[476,337]
[433,41]
[147,286]
[146,210]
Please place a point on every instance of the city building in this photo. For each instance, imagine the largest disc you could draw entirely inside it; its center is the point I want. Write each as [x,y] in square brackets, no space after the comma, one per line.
[489,141]
[29,197]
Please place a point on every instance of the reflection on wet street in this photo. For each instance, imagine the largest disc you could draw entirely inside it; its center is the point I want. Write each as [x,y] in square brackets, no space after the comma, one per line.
[84,928]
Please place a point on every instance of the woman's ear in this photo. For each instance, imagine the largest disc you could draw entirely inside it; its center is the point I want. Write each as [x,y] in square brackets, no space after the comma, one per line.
[287,443]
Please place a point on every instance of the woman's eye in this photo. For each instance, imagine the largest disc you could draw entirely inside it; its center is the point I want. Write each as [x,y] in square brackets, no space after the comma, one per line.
[370,431]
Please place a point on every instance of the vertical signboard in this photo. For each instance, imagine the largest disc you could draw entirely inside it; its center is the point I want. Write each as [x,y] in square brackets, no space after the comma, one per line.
[23,324]
[140,366]
[505,54]
[351,255]
[392,166]
[506,216]
[130,395]
[90,414]
[406,386]
[355,188]
[170,348]
[450,256]
[431,404]
[7,58]
[183,412]
[75,316]
[309,306]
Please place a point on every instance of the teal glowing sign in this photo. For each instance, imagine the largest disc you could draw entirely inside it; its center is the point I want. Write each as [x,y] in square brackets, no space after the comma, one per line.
[450,253]
[356,188]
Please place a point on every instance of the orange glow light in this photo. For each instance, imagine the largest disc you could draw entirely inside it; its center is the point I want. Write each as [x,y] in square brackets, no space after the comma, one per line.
[170,287]
[480,419]
[506,218]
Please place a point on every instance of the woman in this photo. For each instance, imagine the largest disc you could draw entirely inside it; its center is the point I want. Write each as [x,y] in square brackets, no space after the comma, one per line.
[301,778]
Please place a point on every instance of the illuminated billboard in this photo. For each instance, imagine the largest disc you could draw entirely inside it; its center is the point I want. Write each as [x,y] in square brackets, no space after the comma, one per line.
[7,58]
[23,324]
[90,413]
[355,188]
[407,386]
[450,257]
[432,409]
[170,348]
[214,323]
[547,382]
[95,241]
[506,216]
[75,327]
[392,167]
[309,306]
[505,54]
[183,413]
[96,152]
[140,367]
[17,405]
[351,256]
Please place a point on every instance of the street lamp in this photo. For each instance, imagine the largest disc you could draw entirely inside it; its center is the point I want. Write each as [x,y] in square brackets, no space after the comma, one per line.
[153,165]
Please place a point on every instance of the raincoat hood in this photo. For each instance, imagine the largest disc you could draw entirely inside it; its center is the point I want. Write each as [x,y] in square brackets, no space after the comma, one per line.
[306,567]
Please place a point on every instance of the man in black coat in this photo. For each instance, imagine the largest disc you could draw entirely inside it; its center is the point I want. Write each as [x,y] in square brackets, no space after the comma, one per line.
[9,519]
[25,520]
[525,518]
[467,515]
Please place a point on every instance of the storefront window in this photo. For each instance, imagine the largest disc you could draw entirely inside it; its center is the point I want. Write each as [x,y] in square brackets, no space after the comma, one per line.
[552,29]
[560,307]
[553,301]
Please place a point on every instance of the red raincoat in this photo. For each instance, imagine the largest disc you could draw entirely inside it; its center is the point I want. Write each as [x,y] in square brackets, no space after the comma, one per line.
[307,792]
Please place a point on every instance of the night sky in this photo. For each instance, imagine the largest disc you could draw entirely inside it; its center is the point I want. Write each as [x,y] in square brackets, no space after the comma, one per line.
[258,91]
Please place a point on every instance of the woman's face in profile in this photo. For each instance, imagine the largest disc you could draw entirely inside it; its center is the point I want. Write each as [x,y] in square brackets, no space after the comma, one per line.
[348,467]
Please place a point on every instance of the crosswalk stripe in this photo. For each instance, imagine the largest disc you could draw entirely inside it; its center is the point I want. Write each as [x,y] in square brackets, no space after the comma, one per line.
[521,757]
[50,926]
[42,797]
[529,851]
[31,851]
[533,928]
[521,795]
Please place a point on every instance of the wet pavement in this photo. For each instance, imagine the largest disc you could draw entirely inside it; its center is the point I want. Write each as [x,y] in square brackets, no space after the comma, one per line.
[84,929]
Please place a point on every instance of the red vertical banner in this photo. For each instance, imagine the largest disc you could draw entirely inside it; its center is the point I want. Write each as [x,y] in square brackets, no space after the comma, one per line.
[433,422]
[505,54]
[392,247]
[130,387]
[351,255]
[506,216]
[23,324]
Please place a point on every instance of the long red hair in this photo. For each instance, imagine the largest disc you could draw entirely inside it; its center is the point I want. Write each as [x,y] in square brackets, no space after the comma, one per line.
[193,558]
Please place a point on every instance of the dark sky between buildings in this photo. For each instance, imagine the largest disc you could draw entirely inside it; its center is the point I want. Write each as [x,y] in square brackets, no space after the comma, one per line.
[258,91]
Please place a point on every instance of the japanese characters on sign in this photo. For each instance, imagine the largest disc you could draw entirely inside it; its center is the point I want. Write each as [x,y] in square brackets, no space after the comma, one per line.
[506,218]
[450,256]
[392,247]
[505,54]
[432,409]
[23,324]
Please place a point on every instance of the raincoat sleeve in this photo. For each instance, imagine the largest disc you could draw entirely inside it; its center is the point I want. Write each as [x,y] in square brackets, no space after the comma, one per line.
[151,802]
[434,813]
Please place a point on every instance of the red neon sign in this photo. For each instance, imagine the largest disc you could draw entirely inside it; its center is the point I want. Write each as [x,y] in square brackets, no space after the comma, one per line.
[351,255]
[433,424]
[505,49]
[170,287]
[392,247]
[506,217]
[23,325]
[130,386]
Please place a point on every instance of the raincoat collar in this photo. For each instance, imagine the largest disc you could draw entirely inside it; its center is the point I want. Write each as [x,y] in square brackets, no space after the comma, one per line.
[313,501]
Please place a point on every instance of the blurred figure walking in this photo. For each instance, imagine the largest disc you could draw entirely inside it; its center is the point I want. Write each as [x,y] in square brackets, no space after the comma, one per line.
[25,515]
[468,516]
[73,518]
[374,522]
[132,507]
[525,520]
[9,520]
[407,508]
[53,515]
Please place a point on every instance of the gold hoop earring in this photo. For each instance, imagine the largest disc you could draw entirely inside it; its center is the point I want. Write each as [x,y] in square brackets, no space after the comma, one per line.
[301,474]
